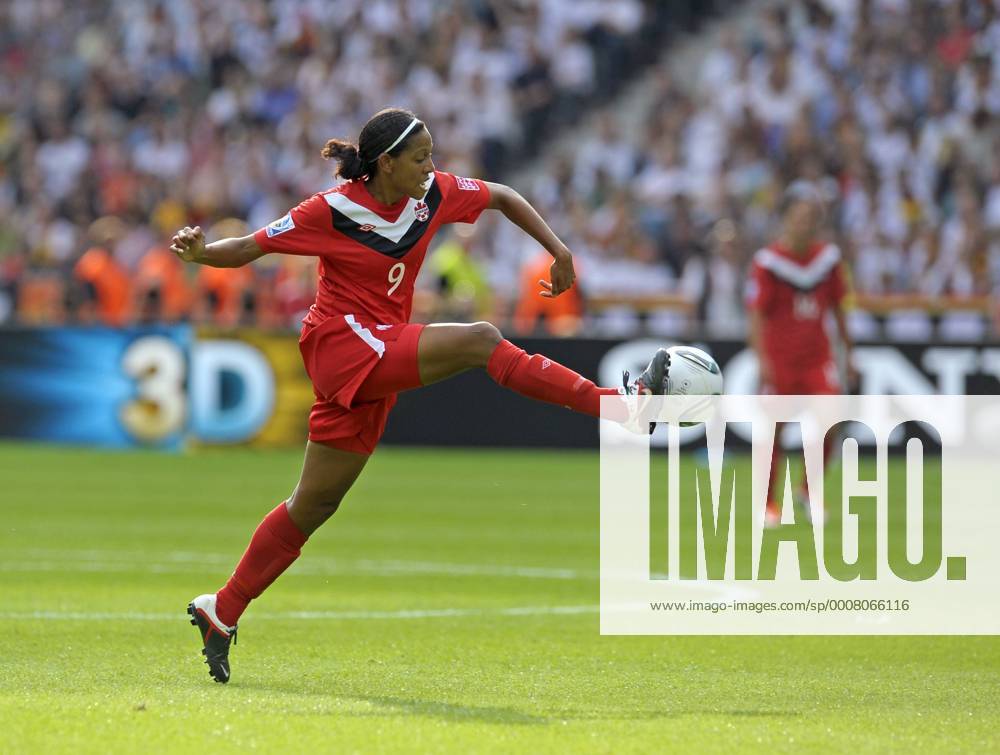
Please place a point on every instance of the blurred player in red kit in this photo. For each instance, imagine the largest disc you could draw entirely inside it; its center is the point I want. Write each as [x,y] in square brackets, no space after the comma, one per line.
[795,283]
[370,235]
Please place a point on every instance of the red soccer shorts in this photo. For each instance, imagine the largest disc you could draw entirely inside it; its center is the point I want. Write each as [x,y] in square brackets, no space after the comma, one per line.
[817,380]
[356,369]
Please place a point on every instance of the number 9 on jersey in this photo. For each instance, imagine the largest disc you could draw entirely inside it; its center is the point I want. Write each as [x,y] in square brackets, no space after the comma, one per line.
[396,273]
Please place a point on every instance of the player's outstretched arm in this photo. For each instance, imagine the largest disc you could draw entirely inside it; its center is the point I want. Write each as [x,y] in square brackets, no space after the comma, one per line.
[520,212]
[189,244]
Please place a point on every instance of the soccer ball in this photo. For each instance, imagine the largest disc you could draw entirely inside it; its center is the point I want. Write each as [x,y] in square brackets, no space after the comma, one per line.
[692,372]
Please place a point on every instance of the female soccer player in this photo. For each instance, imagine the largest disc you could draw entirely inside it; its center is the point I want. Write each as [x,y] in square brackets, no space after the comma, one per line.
[371,234]
[795,283]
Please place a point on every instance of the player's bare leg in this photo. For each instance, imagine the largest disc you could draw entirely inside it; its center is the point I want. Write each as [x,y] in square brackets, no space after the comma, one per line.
[445,350]
[327,475]
[772,510]
[800,497]
[448,349]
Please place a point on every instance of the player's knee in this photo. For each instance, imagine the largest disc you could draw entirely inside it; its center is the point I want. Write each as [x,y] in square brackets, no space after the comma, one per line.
[483,339]
[329,504]
[318,501]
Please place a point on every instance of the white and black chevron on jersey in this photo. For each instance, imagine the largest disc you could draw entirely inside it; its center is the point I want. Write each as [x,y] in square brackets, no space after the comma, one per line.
[804,275]
[392,238]
[370,253]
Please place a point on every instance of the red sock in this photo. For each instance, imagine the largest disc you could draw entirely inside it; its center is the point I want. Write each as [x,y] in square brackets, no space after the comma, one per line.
[537,377]
[275,544]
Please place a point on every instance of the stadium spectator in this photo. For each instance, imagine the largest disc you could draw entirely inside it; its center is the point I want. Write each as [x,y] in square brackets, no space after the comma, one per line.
[225,296]
[458,279]
[106,289]
[161,289]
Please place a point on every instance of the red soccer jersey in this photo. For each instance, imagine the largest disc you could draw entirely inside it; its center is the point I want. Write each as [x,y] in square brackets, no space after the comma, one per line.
[793,295]
[370,253]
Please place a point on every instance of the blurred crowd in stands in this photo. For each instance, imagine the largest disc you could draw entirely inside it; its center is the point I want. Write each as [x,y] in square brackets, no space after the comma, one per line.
[890,107]
[123,121]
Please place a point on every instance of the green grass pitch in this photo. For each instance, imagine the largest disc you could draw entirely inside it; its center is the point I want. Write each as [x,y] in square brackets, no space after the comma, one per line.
[450,606]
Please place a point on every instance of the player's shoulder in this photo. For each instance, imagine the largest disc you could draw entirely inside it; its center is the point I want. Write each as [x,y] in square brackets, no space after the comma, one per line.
[308,216]
[327,196]
[824,252]
[319,199]
[802,272]
[338,189]
[766,258]
[450,182]
[827,251]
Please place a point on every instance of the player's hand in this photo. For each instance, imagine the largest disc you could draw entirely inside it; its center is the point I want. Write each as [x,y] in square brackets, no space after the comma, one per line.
[562,274]
[188,243]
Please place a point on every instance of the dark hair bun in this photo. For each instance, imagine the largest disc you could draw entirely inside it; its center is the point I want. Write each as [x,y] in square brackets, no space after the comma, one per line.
[345,153]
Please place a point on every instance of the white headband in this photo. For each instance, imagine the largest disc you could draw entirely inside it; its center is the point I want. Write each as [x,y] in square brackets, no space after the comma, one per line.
[402,136]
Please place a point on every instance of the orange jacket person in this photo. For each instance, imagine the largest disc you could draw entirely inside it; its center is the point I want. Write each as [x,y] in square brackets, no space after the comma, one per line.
[223,291]
[562,316]
[108,284]
[162,291]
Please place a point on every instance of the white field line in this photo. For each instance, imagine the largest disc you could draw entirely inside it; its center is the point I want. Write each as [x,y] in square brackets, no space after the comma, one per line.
[431,613]
[190,562]
[183,562]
